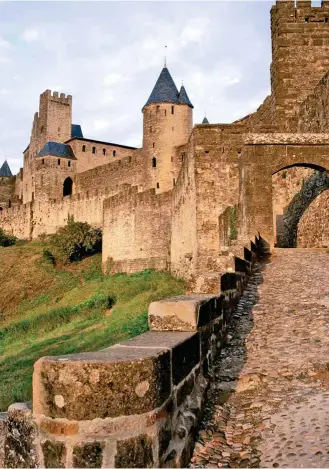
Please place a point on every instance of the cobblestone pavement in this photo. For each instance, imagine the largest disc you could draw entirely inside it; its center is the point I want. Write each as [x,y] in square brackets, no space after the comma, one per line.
[268,404]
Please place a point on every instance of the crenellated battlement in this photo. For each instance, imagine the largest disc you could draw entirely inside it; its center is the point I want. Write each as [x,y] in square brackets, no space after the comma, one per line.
[54,96]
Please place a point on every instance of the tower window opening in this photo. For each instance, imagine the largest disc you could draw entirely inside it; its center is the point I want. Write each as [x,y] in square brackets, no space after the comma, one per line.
[83,147]
[158,185]
[42,129]
[94,149]
[174,181]
[165,112]
[154,162]
[67,187]
[326,19]
[104,151]
[43,161]
[9,203]
[153,144]
[1,208]
[173,128]
[69,164]
[59,162]
[172,109]
[114,152]
[306,20]
[59,129]
[158,109]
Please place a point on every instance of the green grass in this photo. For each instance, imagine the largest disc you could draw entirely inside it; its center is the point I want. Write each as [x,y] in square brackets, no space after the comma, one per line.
[53,311]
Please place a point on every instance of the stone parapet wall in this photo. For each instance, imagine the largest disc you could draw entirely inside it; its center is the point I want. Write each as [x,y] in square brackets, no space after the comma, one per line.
[136,231]
[135,404]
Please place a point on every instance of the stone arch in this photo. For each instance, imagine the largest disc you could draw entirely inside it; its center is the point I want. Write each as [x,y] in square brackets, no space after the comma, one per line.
[264,155]
[312,188]
[67,187]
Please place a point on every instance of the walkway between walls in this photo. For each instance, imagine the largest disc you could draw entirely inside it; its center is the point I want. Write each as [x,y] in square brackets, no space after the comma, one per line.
[268,405]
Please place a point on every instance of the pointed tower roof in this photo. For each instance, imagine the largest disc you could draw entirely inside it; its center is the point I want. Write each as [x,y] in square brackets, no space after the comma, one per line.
[5,170]
[205,120]
[183,98]
[165,90]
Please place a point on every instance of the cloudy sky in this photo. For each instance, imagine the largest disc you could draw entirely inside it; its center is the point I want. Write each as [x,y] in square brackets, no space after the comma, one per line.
[108,55]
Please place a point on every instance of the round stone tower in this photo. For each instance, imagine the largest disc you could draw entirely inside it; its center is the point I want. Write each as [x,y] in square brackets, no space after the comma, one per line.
[167,123]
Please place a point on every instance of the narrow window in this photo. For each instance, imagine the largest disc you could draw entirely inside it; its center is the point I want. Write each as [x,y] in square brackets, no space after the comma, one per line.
[153,144]
[172,109]
[9,203]
[59,129]
[326,19]
[165,112]
[306,20]
[43,161]
[174,181]
[173,128]
[94,150]
[83,147]
[58,162]
[114,152]
[104,151]
[41,180]
[158,109]
[69,164]
[154,162]
[150,129]
[158,185]
[67,187]
[41,130]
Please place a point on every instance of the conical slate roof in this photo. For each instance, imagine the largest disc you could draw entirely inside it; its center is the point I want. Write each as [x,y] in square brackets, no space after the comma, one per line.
[205,120]
[183,98]
[165,91]
[5,170]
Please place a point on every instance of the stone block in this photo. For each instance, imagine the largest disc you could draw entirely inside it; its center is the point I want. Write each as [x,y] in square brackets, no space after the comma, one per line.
[21,434]
[185,356]
[183,313]
[185,389]
[134,452]
[88,455]
[96,385]
[3,432]
[54,453]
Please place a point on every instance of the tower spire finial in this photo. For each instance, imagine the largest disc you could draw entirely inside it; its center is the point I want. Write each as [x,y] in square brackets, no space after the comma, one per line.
[165,57]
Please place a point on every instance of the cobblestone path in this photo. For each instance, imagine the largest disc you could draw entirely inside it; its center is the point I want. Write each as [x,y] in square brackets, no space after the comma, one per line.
[268,404]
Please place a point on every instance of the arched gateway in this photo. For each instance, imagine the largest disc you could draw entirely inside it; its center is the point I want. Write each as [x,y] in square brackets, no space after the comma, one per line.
[264,155]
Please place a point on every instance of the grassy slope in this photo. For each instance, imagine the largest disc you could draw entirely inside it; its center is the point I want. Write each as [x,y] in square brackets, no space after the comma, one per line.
[51,311]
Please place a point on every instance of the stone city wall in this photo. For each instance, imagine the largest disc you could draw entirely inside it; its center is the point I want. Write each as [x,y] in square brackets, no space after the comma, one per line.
[136,231]
[129,170]
[313,228]
[183,225]
[135,404]
[313,115]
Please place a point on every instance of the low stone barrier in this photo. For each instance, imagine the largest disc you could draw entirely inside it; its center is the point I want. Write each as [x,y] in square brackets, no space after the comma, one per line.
[135,404]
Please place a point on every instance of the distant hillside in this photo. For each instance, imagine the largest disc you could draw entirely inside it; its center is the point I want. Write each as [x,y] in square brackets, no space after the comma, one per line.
[46,310]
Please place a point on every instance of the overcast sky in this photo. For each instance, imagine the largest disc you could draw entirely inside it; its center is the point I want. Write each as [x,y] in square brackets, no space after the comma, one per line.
[108,55]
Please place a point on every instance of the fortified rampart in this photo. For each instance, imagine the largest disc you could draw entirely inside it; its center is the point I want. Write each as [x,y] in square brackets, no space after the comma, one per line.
[190,200]
[143,218]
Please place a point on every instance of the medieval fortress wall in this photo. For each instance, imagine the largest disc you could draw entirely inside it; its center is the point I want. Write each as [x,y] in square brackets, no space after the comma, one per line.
[191,201]
[200,169]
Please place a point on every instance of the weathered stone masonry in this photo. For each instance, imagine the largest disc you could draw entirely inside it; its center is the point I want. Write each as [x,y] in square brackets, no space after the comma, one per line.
[135,404]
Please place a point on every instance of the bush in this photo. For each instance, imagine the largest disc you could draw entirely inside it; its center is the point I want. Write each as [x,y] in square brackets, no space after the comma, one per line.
[48,256]
[7,239]
[75,241]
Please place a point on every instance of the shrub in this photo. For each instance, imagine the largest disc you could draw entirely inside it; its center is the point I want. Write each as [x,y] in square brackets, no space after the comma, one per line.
[7,239]
[48,256]
[75,241]
[284,175]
